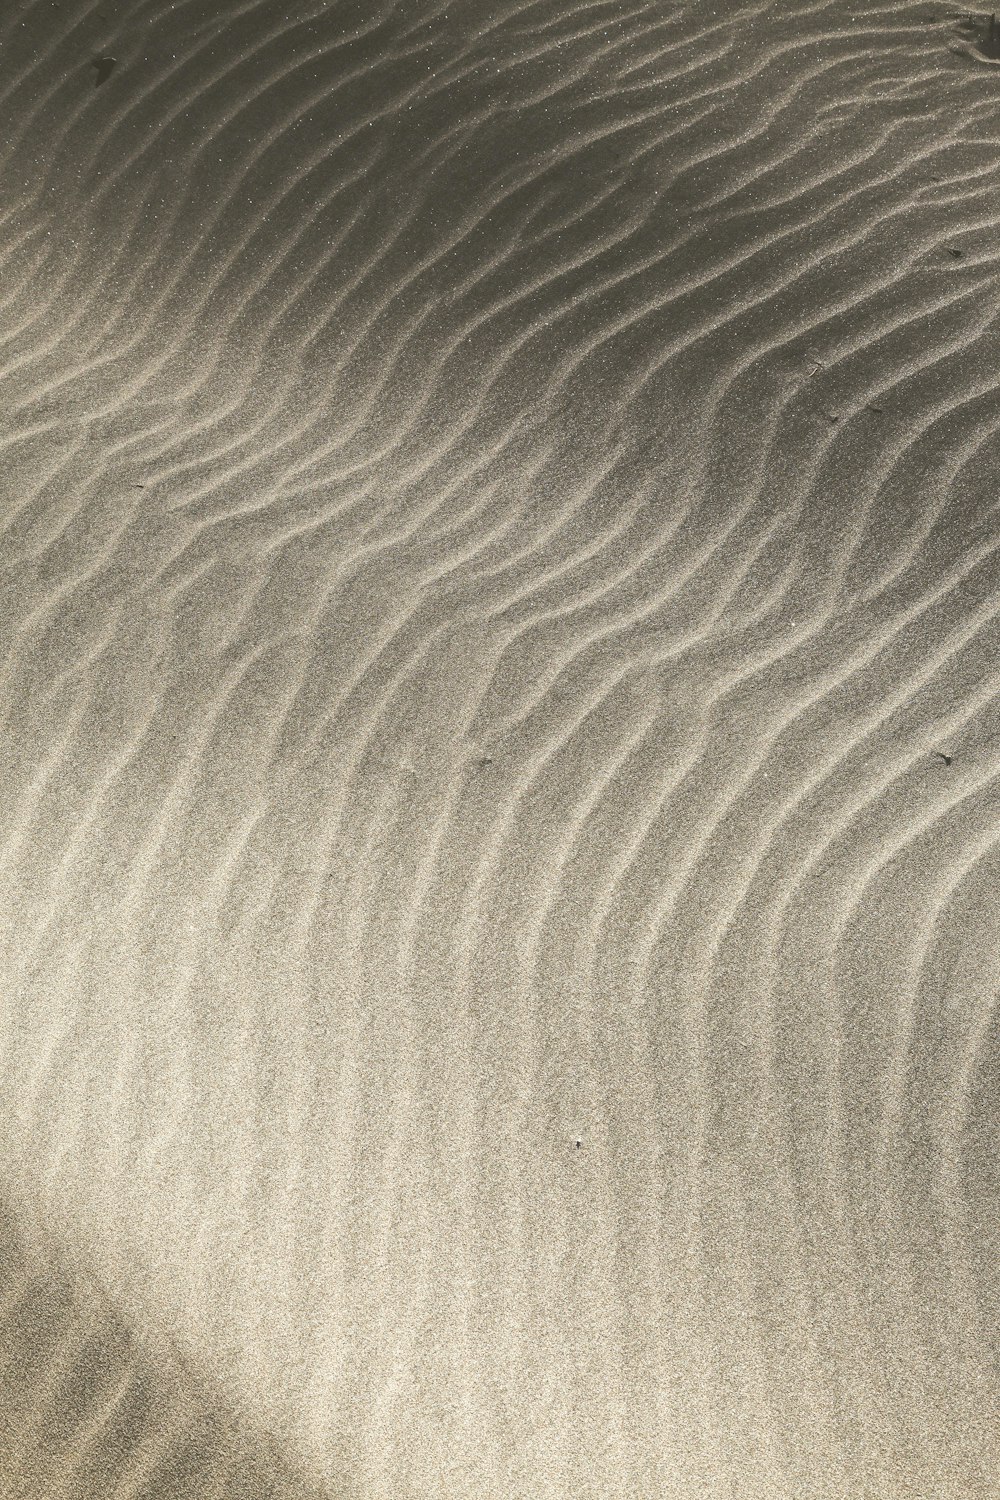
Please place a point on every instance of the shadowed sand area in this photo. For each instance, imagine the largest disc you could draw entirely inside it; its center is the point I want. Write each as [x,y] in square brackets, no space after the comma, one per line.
[83,1412]
[500,747]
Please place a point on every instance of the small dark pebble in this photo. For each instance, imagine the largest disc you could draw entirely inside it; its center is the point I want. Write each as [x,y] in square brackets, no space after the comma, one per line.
[104,66]
[946,758]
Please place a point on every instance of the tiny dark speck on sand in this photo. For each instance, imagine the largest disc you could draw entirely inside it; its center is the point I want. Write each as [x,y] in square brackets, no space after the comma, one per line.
[946,758]
[104,65]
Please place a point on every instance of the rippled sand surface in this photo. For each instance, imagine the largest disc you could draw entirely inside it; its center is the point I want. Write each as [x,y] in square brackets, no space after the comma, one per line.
[500,749]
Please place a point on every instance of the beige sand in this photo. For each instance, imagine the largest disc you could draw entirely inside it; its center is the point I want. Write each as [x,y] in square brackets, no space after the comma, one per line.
[501,750]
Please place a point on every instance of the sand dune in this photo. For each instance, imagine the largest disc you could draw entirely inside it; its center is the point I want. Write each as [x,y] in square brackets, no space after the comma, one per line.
[500,813]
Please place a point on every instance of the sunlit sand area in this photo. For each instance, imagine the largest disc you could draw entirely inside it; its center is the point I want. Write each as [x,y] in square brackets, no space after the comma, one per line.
[500,797]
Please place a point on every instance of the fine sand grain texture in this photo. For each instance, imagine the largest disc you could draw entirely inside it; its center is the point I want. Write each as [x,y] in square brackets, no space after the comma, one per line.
[500,750]
[82,1413]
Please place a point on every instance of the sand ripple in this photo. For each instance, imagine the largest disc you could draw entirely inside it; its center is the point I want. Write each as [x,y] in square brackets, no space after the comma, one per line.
[500,814]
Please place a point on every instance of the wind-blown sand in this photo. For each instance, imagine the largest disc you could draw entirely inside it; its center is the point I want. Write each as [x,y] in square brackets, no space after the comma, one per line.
[500,798]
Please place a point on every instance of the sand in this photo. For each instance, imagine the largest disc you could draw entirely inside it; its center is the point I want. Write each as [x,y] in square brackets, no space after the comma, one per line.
[500,796]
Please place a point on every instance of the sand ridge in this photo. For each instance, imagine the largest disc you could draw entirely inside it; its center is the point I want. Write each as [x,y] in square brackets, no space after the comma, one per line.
[498,820]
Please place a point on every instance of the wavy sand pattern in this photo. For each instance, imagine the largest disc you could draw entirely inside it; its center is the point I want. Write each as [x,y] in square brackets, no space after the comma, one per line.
[500,813]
